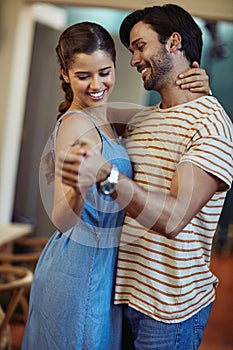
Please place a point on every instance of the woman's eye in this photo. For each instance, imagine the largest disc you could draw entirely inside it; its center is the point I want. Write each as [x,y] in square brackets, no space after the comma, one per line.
[104,74]
[82,77]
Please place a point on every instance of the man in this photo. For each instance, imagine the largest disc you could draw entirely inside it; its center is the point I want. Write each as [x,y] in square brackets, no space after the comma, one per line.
[182,152]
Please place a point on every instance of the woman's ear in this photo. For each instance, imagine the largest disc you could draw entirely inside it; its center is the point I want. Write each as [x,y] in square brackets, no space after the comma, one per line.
[65,76]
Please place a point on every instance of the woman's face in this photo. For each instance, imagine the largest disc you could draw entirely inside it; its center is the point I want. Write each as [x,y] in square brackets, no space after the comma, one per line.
[92,78]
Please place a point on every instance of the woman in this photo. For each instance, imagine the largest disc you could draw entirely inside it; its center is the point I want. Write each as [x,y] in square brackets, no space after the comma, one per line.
[71,297]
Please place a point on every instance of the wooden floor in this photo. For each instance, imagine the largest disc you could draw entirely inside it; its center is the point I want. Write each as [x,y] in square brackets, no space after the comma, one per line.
[218,334]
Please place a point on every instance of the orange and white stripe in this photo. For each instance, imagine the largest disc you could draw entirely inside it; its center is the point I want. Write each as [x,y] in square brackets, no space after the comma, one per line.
[170,280]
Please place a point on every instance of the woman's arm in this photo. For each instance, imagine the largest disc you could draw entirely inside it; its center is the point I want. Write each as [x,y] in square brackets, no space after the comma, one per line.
[165,213]
[195,79]
[120,113]
[68,200]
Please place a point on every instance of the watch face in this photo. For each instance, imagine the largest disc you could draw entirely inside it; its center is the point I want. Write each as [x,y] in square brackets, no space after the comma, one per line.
[108,188]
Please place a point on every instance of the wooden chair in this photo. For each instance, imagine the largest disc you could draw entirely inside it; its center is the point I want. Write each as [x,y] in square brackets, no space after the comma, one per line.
[31,248]
[26,252]
[13,281]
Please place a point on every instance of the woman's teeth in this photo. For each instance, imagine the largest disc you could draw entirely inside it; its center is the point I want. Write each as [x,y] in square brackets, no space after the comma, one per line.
[96,94]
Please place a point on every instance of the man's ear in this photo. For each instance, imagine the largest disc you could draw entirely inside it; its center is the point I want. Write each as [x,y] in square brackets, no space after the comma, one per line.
[174,42]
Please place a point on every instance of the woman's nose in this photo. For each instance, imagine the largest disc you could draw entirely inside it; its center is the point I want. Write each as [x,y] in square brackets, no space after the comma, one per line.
[95,83]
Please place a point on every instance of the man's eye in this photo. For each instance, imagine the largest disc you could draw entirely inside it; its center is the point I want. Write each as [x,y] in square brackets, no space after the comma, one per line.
[140,48]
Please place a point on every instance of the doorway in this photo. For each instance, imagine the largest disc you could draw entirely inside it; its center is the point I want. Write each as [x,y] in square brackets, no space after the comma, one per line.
[39,120]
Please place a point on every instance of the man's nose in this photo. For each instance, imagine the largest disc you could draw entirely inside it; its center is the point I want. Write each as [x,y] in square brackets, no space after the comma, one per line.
[135,59]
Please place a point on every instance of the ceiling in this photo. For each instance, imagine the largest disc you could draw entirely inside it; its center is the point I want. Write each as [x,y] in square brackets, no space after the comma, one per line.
[215,10]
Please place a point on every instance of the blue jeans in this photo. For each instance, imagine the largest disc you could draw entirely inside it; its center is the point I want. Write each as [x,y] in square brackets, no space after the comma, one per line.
[142,332]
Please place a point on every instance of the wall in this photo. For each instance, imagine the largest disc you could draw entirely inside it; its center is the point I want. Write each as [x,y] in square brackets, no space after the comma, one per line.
[16,48]
[16,30]
[16,34]
[17,23]
[217,58]
[219,67]
[129,87]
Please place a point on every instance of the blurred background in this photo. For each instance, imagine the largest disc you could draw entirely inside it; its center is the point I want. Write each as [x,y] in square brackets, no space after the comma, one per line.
[30,94]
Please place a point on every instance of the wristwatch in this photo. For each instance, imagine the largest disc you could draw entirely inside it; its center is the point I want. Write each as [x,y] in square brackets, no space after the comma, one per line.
[107,186]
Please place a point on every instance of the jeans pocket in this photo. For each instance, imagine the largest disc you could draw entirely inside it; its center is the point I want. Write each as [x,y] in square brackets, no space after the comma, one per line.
[200,322]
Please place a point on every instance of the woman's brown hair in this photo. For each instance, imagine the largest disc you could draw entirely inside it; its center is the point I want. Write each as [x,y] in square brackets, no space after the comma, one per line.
[84,37]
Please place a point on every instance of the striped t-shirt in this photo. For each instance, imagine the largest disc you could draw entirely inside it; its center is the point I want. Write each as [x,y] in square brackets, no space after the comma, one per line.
[170,279]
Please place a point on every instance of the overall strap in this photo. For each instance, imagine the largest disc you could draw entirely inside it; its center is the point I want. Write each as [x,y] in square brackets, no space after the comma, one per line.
[58,123]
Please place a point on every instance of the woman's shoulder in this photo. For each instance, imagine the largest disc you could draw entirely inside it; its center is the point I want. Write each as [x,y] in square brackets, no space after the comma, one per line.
[74,126]
[74,120]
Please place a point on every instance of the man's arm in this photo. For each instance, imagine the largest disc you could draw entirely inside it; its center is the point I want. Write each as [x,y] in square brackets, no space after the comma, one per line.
[169,213]
[166,213]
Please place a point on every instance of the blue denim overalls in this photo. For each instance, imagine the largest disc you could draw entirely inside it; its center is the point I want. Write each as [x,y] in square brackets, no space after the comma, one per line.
[71,301]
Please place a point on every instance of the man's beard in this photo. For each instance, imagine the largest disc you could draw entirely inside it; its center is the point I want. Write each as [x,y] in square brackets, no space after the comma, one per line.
[161,65]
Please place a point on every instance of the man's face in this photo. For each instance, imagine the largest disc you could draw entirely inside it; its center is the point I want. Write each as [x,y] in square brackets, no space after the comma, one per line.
[151,58]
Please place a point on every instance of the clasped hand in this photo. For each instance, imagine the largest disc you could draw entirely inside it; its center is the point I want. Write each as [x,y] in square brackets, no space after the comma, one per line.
[82,166]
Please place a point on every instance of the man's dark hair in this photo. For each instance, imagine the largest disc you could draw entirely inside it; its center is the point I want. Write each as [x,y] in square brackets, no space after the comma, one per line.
[166,20]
